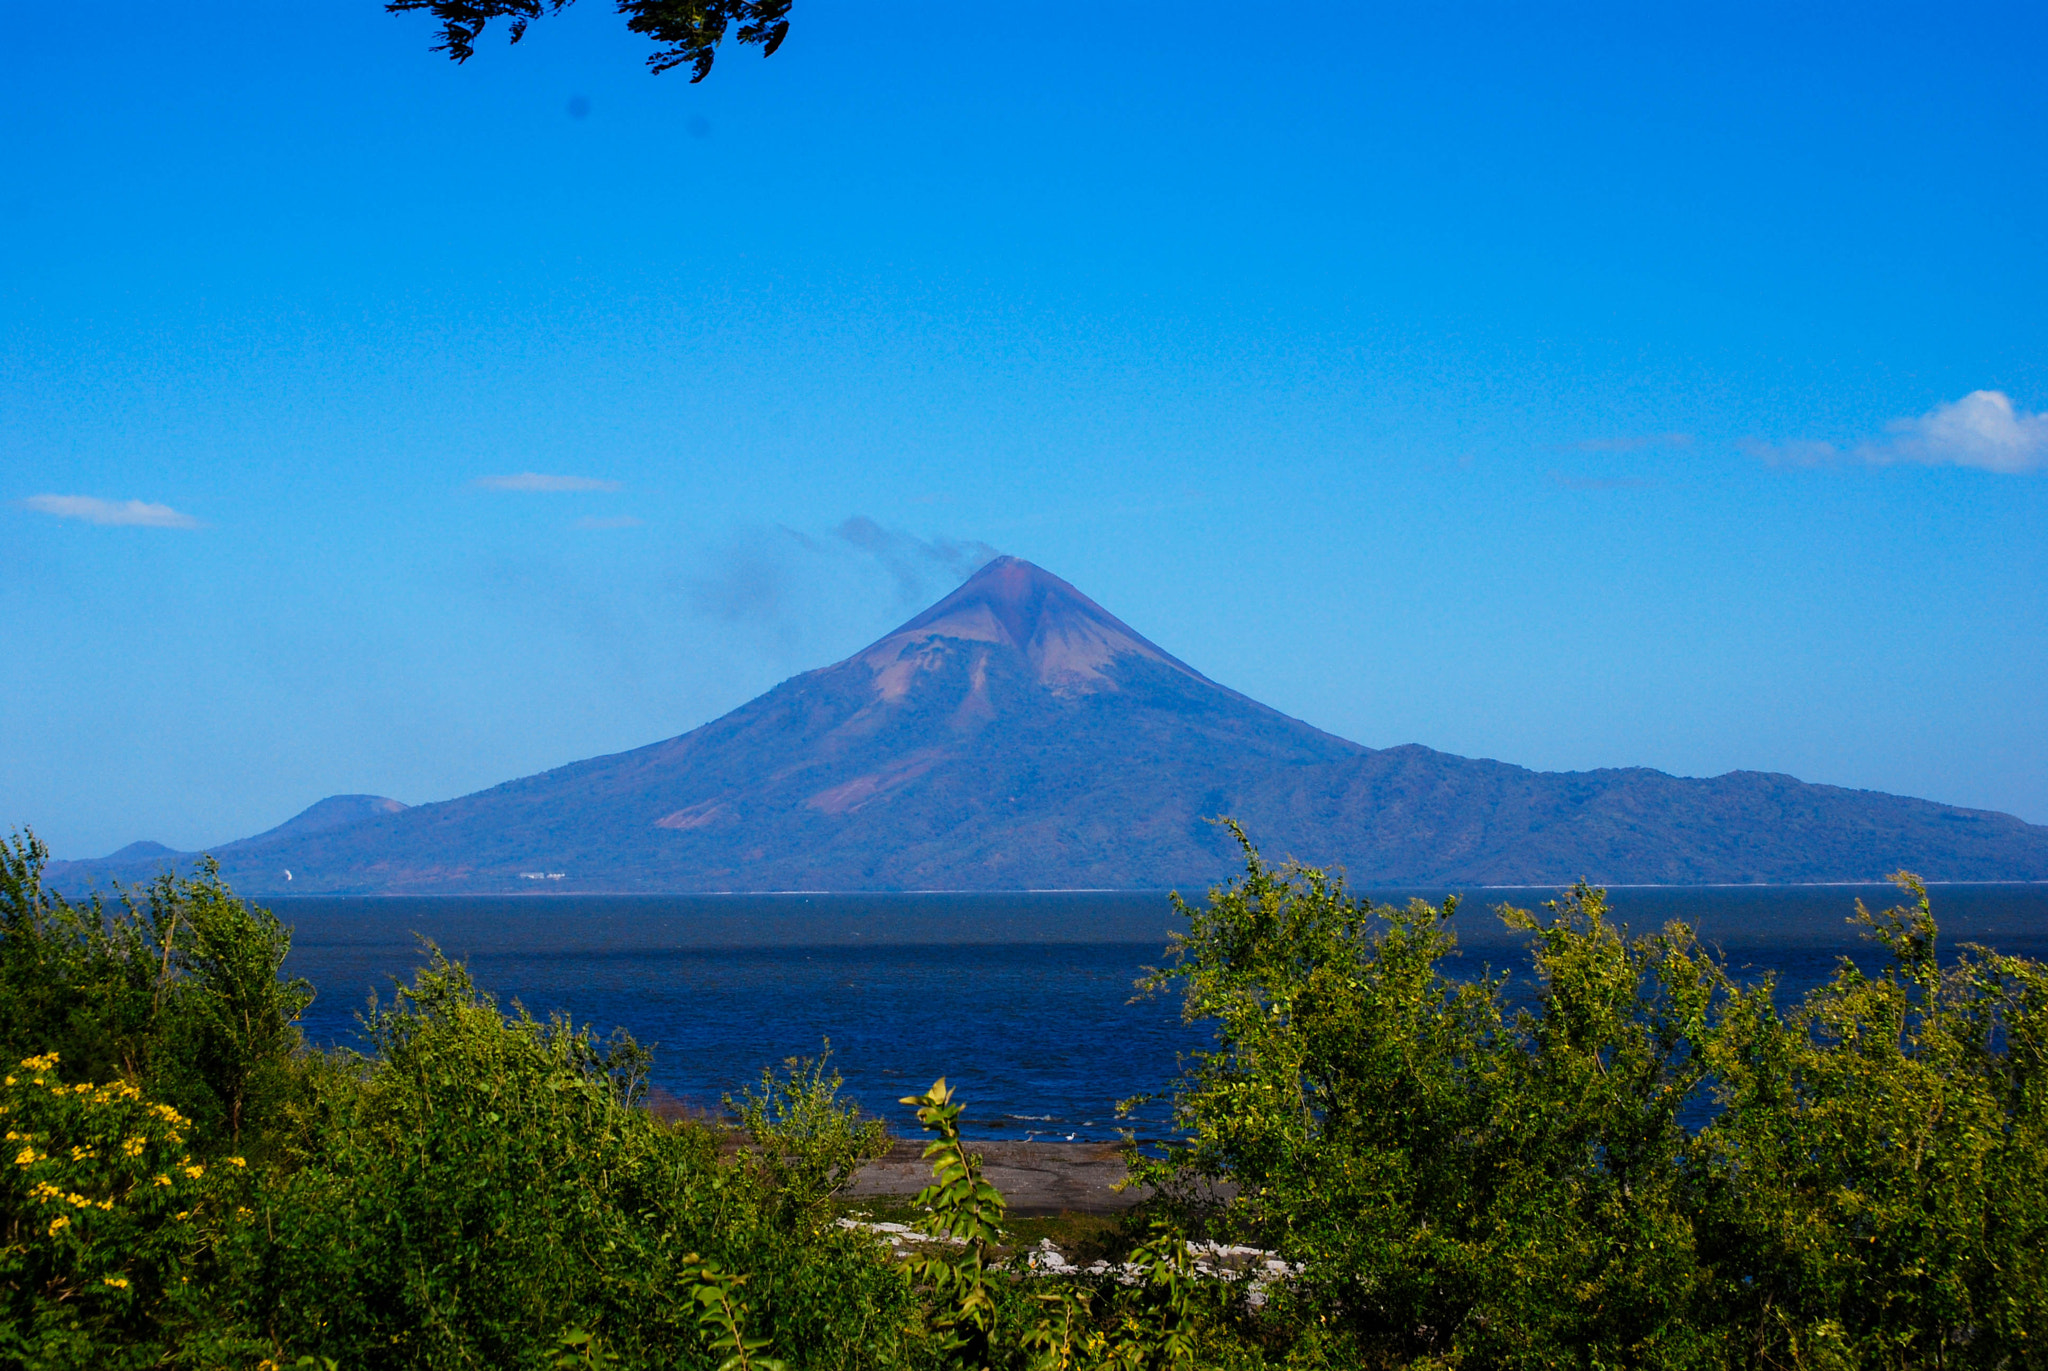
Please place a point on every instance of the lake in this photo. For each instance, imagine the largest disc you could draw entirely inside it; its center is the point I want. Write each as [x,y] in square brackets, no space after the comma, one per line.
[1024,1002]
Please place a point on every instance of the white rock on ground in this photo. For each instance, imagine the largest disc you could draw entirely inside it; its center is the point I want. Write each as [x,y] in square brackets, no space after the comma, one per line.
[1257,1267]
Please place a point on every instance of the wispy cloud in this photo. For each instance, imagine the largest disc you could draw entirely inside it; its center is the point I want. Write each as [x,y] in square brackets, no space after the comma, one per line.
[776,576]
[1639,442]
[122,513]
[1982,430]
[912,562]
[538,481]
[595,521]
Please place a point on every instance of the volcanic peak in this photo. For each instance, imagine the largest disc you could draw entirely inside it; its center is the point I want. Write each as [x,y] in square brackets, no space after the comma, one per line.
[1068,639]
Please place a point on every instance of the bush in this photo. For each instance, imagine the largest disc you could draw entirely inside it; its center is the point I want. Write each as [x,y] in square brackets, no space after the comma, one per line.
[1875,1189]
[106,1220]
[1462,1187]
[1652,1166]
[480,1190]
[806,1143]
[176,990]
[484,1185]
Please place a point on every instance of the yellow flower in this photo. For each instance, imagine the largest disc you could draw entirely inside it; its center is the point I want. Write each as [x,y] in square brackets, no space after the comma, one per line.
[79,1154]
[163,1180]
[82,1088]
[195,1171]
[133,1147]
[59,1224]
[107,1204]
[118,1282]
[25,1156]
[236,1161]
[78,1201]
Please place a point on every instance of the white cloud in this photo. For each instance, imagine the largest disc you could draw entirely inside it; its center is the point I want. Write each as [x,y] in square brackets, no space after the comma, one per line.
[1980,430]
[128,513]
[534,480]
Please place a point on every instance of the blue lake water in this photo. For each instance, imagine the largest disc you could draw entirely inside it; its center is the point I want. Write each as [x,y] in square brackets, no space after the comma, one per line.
[1023,1001]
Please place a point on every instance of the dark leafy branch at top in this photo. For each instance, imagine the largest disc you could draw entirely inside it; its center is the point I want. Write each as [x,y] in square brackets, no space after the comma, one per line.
[687,32]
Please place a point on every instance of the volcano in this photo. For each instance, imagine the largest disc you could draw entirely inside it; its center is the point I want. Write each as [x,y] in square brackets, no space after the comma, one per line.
[1017,735]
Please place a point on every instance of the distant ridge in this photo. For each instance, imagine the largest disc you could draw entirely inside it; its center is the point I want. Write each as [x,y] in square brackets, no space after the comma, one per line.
[1017,735]
[336,811]
[143,852]
[143,861]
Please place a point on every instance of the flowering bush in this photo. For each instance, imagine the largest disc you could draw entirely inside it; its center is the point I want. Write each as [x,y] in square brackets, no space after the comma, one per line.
[102,1211]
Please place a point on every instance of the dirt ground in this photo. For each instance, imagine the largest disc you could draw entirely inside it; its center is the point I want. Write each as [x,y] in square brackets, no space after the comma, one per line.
[1039,1178]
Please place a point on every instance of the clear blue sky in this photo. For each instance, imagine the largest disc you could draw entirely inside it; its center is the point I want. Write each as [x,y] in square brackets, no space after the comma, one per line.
[1581,388]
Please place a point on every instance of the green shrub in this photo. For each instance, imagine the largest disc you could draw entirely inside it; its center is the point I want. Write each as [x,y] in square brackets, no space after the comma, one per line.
[807,1143]
[106,1223]
[176,990]
[1653,1166]
[483,1183]
[1466,1188]
[1876,1185]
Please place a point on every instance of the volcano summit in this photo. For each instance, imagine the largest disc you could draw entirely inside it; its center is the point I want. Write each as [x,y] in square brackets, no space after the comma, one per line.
[1016,735]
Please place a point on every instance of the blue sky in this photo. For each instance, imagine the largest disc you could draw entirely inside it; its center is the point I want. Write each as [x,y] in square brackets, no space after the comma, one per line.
[1582,388]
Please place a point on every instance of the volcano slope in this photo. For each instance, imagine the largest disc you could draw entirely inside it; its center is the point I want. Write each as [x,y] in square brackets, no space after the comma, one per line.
[1017,735]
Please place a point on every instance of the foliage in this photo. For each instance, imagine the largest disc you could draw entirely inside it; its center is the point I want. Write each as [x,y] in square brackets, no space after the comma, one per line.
[688,31]
[485,1180]
[1878,1177]
[807,1143]
[722,1317]
[1143,1318]
[960,1207]
[105,1218]
[578,1349]
[479,1190]
[1650,1165]
[1150,1325]
[177,990]
[1464,1187]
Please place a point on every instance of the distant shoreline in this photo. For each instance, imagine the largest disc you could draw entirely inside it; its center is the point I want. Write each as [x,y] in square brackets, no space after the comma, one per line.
[1105,890]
